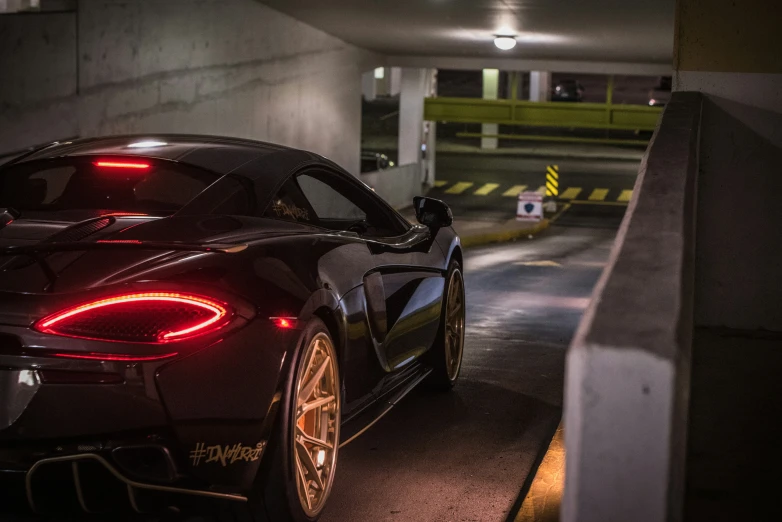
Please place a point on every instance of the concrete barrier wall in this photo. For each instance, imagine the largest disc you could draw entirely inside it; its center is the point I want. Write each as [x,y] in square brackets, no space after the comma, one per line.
[628,368]
[38,83]
[398,185]
[232,67]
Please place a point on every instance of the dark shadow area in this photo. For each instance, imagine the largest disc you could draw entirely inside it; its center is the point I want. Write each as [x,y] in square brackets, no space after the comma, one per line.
[735,427]
[467,459]
[738,283]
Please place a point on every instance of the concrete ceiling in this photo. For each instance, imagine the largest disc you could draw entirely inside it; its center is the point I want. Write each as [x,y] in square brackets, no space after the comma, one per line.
[630,31]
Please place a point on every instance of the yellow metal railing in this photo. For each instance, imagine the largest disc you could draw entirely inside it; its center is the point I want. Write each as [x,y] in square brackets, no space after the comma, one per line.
[542,114]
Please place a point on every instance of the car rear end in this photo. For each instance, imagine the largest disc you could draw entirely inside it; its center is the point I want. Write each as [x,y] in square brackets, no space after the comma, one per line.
[87,393]
[127,371]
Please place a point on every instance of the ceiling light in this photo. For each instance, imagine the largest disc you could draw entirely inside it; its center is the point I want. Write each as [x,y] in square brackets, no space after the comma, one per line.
[147,144]
[505,43]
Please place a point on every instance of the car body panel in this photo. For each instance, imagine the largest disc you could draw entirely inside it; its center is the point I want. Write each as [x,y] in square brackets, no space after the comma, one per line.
[212,400]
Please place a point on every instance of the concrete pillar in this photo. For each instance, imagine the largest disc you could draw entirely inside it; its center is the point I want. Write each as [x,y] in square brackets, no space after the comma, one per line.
[491,83]
[514,85]
[369,86]
[381,81]
[394,80]
[722,50]
[539,86]
[411,114]
[430,134]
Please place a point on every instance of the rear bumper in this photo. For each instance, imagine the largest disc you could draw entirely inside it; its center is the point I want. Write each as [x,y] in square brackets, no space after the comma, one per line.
[126,477]
[209,412]
[34,409]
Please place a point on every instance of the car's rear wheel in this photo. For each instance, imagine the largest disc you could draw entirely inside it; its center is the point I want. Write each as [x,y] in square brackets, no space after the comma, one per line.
[316,427]
[297,473]
[446,354]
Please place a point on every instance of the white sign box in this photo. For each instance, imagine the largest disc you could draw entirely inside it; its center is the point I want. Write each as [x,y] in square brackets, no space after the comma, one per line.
[530,207]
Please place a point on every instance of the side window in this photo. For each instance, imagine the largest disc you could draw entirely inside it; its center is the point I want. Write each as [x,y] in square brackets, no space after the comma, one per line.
[328,201]
[289,205]
[169,187]
[47,185]
[227,196]
[328,204]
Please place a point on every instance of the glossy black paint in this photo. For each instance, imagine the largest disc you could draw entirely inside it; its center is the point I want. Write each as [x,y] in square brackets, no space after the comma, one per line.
[432,212]
[380,296]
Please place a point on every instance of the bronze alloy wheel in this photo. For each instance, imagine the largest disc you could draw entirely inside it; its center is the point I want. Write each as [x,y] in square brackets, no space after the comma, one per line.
[454,324]
[316,427]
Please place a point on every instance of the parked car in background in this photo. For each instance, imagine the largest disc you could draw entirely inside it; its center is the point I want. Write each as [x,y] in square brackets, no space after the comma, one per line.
[374,161]
[661,94]
[568,90]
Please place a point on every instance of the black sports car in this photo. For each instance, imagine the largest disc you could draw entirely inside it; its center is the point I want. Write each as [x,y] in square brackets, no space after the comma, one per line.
[207,320]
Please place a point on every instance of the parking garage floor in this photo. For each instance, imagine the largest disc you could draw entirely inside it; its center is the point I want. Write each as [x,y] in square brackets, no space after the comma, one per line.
[465,455]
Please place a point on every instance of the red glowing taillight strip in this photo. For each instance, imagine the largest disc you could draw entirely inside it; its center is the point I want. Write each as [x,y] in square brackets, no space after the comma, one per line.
[219,311]
[93,356]
[121,165]
[119,241]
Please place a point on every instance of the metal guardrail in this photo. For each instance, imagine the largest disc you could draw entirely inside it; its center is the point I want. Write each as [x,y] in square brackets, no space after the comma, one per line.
[556,139]
[542,114]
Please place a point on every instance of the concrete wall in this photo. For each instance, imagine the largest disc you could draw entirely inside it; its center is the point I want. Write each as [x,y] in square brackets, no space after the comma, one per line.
[38,84]
[398,185]
[233,67]
[728,51]
[627,371]
[738,277]
[738,281]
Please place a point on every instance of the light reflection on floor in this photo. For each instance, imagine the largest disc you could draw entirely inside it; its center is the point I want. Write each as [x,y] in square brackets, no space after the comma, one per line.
[542,503]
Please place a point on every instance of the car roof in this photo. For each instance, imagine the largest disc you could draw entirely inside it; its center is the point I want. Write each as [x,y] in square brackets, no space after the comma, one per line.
[222,155]
[268,165]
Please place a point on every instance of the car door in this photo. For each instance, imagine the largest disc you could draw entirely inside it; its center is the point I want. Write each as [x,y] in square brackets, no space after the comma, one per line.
[403,284]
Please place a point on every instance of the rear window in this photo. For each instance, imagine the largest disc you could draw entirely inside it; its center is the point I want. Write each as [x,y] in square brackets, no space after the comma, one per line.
[119,184]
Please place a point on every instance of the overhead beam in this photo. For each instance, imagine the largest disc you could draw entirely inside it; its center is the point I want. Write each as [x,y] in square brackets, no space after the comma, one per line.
[515,64]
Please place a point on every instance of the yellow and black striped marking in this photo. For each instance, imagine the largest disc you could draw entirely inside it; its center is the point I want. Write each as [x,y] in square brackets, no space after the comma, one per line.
[552,181]
[600,195]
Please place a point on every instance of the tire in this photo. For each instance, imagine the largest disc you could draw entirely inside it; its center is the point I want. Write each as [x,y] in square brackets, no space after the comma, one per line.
[445,356]
[277,492]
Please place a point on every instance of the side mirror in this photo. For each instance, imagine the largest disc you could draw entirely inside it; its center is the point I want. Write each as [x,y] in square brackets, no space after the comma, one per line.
[432,212]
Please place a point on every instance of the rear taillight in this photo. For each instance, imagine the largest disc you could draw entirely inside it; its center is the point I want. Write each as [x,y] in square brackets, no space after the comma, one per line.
[135,165]
[153,317]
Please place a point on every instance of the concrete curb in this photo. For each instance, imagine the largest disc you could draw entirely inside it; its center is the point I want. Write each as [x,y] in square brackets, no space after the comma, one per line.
[486,238]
